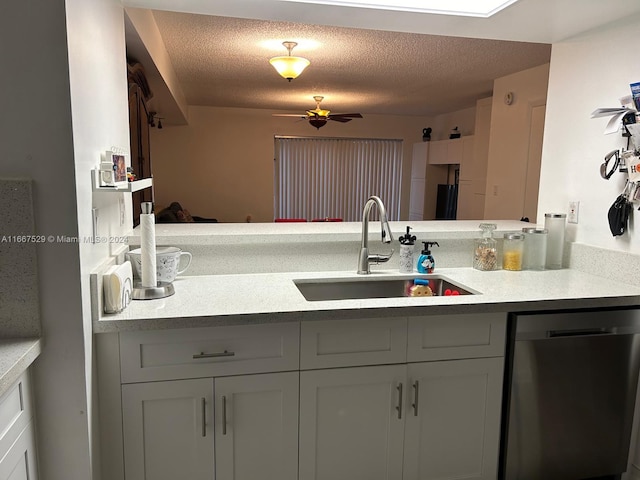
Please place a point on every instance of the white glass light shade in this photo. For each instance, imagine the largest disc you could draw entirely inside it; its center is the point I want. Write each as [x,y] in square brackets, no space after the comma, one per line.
[289,67]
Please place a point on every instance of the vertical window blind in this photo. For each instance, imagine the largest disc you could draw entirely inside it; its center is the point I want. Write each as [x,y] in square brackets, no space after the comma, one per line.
[334,177]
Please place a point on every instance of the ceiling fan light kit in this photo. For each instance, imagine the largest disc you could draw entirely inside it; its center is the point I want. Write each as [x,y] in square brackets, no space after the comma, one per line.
[289,67]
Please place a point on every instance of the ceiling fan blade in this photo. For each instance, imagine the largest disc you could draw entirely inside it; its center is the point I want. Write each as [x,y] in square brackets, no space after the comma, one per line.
[349,115]
[339,119]
[296,115]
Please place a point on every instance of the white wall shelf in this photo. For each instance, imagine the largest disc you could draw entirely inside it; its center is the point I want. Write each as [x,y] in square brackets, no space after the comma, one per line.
[128,187]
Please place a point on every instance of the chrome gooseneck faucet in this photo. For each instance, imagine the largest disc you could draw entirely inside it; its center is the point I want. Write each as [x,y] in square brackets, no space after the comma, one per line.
[365,259]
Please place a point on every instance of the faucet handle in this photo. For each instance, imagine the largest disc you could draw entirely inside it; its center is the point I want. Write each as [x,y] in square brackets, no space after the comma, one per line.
[379,257]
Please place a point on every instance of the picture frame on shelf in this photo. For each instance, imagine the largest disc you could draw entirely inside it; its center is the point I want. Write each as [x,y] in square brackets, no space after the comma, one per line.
[113,169]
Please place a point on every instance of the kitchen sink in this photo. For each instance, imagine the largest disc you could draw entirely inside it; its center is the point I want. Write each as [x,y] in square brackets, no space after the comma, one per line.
[352,289]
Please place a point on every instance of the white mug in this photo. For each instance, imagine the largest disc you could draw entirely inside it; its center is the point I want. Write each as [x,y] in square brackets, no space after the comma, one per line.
[168,262]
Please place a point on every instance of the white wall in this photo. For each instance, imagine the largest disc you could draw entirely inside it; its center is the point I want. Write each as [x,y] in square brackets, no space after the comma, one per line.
[590,71]
[509,141]
[46,79]
[99,109]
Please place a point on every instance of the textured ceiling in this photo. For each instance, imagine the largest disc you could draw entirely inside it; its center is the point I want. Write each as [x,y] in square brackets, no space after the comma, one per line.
[223,61]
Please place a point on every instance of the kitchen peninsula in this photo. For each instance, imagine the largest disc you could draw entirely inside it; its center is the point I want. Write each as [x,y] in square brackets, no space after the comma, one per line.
[238,351]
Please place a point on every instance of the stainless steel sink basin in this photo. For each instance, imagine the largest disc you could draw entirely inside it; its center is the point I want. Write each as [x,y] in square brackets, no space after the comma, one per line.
[350,289]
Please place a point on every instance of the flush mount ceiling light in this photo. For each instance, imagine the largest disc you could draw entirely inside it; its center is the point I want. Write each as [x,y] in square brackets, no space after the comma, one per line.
[469,8]
[287,66]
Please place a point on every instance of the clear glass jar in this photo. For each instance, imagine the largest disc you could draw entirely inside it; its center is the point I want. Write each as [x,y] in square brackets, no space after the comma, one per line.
[535,248]
[512,250]
[485,253]
[555,224]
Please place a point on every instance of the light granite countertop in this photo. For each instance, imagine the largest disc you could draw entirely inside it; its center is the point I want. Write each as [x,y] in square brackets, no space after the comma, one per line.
[214,300]
[16,354]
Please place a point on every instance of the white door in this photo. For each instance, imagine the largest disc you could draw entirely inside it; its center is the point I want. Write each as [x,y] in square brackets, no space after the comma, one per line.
[351,423]
[257,427]
[453,419]
[418,176]
[534,160]
[168,430]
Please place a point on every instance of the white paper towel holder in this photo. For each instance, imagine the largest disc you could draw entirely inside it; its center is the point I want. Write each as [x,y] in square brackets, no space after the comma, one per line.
[162,289]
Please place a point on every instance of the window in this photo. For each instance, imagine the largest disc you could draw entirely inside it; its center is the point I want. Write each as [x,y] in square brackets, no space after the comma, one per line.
[334,177]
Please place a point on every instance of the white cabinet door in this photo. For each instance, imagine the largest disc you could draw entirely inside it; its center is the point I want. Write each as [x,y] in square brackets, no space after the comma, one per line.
[453,420]
[352,423]
[438,152]
[168,430]
[257,427]
[17,442]
[454,151]
[19,463]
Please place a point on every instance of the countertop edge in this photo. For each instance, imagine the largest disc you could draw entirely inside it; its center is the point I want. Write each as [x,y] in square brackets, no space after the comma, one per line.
[115,326]
[16,356]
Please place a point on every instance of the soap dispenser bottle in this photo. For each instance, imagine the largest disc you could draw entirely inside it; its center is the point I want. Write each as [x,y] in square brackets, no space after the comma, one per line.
[407,242]
[426,262]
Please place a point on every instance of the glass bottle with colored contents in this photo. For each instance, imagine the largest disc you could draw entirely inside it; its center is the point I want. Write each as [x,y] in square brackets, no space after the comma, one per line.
[512,250]
[485,253]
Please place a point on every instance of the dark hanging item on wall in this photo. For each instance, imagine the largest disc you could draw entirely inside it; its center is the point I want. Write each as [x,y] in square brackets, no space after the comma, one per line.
[619,215]
[426,134]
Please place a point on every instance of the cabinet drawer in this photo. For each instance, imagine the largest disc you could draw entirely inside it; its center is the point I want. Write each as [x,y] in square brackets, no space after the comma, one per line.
[444,337]
[342,343]
[208,352]
[15,412]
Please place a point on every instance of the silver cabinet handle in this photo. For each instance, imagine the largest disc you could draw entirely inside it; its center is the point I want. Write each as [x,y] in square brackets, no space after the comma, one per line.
[416,391]
[200,355]
[224,415]
[399,407]
[204,417]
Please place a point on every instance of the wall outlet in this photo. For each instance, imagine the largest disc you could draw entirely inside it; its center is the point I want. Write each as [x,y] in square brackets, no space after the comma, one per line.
[574,207]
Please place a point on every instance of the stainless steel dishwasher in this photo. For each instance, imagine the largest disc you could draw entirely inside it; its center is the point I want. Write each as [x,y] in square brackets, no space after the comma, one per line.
[572,386]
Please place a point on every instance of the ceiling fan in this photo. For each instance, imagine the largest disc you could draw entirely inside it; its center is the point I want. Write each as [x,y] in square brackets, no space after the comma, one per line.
[319,117]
